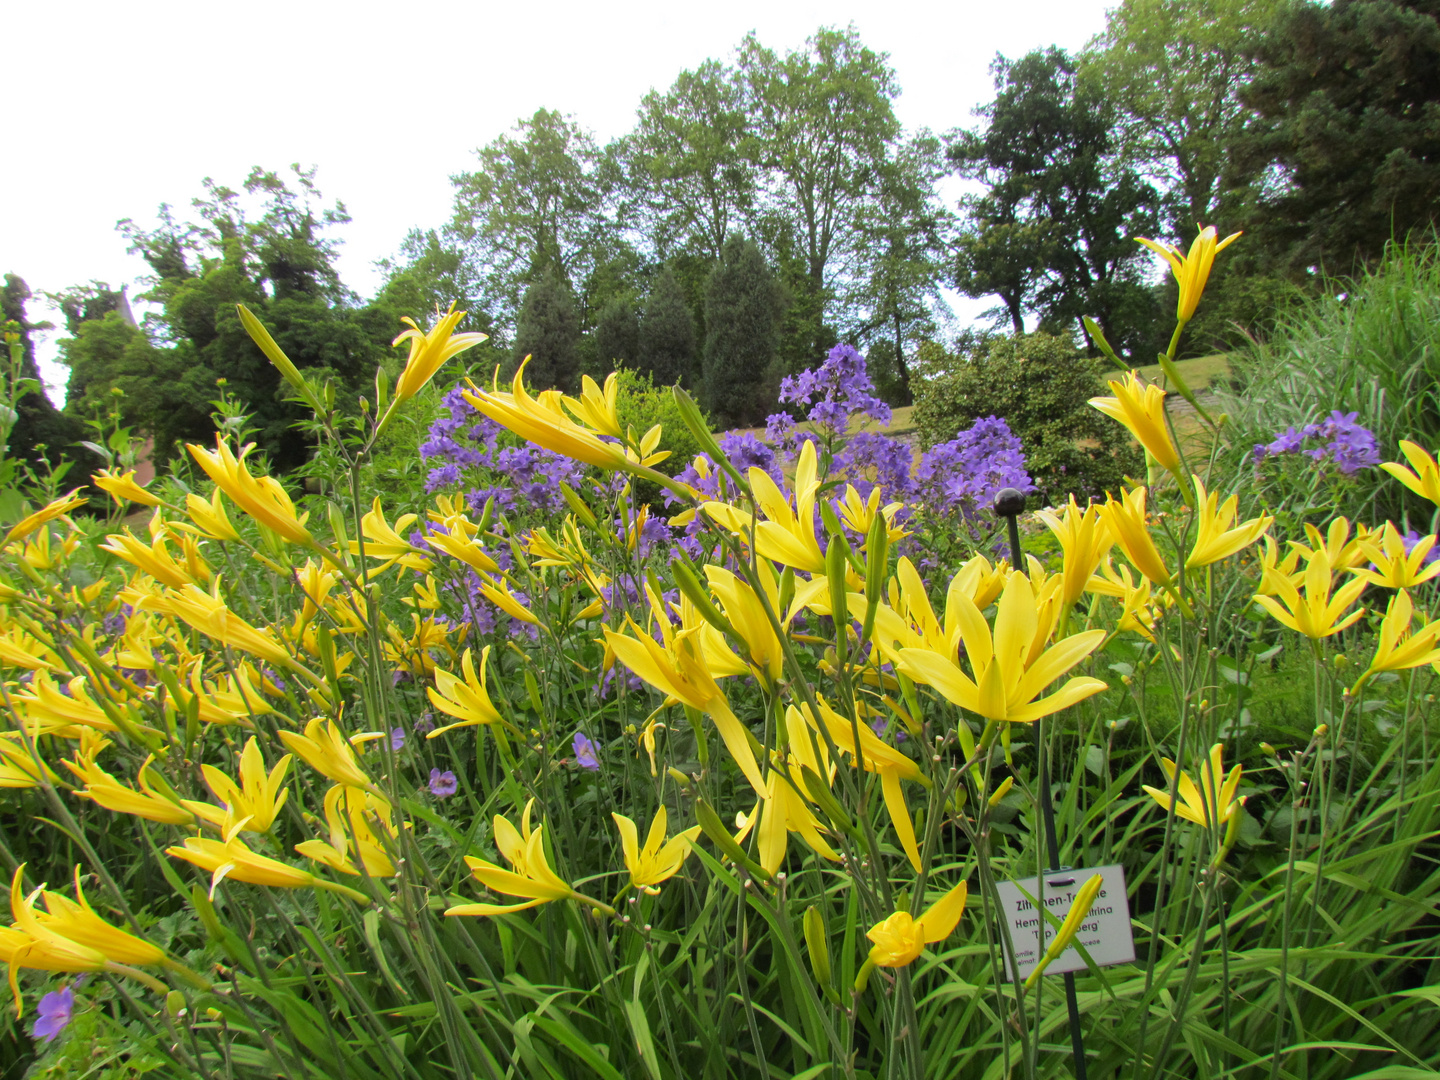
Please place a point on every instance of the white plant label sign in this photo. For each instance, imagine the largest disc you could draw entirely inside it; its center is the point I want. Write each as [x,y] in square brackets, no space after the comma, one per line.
[1105,933]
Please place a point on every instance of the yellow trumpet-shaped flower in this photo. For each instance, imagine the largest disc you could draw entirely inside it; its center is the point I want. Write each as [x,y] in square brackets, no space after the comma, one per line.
[255,802]
[456,538]
[543,422]
[75,920]
[1084,540]
[147,803]
[210,615]
[1136,612]
[18,648]
[858,513]
[1316,614]
[429,351]
[786,535]
[18,768]
[1212,801]
[1011,668]
[230,700]
[50,710]
[647,443]
[210,517]
[1079,912]
[1141,409]
[1129,524]
[259,496]
[466,699]
[354,844]
[123,488]
[900,938]
[28,944]
[1192,271]
[325,749]
[1425,479]
[497,591]
[1395,568]
[660,859]
[746,613]
[1273,566]
[47,513]
[1401,645]
[596,408]
[232,858]
[1217,536]
[680,670]
[382,541]
[153,558]
[530,875]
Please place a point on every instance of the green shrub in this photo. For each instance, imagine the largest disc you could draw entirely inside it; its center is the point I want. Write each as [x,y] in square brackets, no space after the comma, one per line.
[1040,385]
[642,405]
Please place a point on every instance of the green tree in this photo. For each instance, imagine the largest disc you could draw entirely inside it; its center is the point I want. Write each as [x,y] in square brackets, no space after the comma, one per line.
[1176,70]
[617,334]
[824,119]
[1347,130]
[688,171]
[667,333]
[429,273]
[532,209]
[548,331]
[41,430]
[743,306]
[1061,202]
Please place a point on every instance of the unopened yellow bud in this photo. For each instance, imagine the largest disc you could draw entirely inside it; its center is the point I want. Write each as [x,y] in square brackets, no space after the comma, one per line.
[1001,791]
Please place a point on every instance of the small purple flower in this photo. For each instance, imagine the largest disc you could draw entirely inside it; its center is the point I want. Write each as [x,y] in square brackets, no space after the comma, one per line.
[442,784]
[56,1009]
[425,724]
[397,739]
[585,753]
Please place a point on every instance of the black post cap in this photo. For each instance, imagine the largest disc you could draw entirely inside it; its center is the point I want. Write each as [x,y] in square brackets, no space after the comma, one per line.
[1009,502]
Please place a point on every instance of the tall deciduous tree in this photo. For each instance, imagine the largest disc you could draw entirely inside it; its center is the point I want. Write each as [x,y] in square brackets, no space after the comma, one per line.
[1175,70]
[533,207]
[548,331]
[688,163]
[743,305]
[1060,202]
[823,119]
[667,333]
[1349,123]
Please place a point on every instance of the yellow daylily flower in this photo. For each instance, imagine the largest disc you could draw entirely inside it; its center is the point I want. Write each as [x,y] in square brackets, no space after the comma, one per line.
[232,699]
[18,769]
[1398,647]
[1273,566]
[456,538]
[746,613]
[28,944]
[232,858]
[259,496]
[1193,270]
[680,670]
[1128,523]
[497,591]
[325,749]
[466,699]
[75,920]
[1341,550]
[530,876]
[382,541]
[1217,536]
[153,558]
[19,648]
[1141,409]
[49,710]
[858,513]
[123,488]
[543,422]
[353,844]
[105,790]
[1012,667]
[209,614]
[255,802]
[429,351]
[210,517]
[660,859]
[1316,615]
[1210,803]
[900,938]
[598,409]
[1136,612]
[1084,541]
[47,513]
[1394,568]
[1425,479]
[1079,912]
[786,535]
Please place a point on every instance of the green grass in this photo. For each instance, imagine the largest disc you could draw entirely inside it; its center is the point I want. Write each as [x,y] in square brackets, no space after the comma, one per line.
[1198,372]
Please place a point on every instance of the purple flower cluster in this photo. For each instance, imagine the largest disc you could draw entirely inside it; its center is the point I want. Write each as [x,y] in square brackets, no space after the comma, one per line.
[464,440]
[836,391]
[963,475]
[1339,439]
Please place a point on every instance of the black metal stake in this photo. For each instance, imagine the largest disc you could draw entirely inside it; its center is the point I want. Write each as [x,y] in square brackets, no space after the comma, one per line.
[1009,504]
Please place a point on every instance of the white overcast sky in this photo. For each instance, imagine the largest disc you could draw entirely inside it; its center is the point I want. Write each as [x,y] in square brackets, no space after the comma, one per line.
[115,108]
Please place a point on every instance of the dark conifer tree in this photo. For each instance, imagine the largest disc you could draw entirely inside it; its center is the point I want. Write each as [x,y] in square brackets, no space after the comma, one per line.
[743,305]
[667,333]
[548,331]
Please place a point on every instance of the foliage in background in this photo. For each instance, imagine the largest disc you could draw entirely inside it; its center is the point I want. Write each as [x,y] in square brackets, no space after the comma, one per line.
[1040,385]
[743,306]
